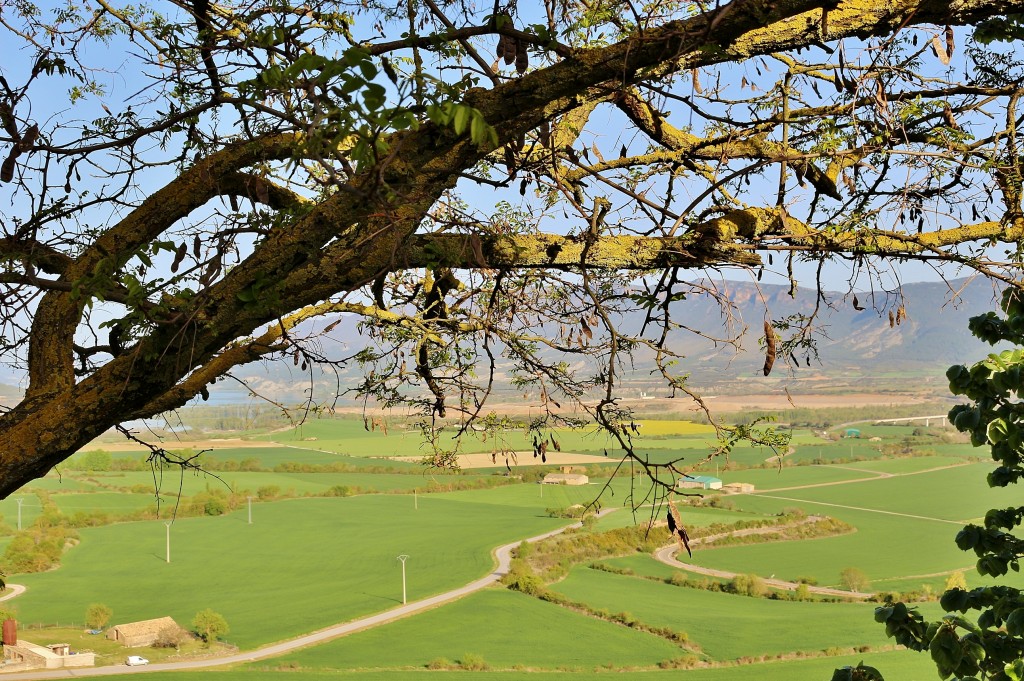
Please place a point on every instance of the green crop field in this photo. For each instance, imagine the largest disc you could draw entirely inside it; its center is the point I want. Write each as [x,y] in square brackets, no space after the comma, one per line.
[645,565]
[898,665]
[728,626]
[959,494]
[893,548]
[505,628]
[297,483]
[307,563]
[793,476]
[902,466]
[349,436]
[104,502]
[302,565]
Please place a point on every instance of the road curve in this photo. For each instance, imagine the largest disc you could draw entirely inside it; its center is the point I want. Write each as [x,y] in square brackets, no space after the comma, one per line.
[666,554]
[16,590]
[503,555]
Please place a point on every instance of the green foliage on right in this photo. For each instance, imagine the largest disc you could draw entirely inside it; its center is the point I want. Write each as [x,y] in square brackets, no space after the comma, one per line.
[990,644]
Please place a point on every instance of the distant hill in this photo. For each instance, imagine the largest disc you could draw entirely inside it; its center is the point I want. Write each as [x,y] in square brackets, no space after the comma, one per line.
[856,347]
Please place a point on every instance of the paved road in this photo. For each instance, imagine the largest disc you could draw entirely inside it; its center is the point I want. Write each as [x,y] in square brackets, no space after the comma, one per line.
[503,554]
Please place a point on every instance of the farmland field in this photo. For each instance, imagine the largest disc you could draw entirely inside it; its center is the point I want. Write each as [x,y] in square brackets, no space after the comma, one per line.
[548,637]
[268,570]
[306,563]
[727,626]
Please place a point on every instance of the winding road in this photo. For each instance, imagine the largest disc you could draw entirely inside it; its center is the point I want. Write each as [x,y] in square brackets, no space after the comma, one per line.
[503,555]
[667,555]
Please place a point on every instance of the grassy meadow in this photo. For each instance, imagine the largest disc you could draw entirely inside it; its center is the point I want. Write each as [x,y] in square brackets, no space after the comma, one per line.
[321,557]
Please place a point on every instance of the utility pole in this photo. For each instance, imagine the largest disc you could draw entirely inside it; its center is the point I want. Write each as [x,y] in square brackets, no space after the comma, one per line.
[249,499]
[19,513]
[403,558]
[168,526]
[415,500]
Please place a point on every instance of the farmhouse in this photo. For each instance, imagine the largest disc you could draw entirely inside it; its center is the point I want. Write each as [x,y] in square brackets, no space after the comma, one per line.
[699,482]
[139,634]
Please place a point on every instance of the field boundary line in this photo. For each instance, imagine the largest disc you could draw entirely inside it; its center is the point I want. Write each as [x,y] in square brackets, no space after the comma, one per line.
[860,508]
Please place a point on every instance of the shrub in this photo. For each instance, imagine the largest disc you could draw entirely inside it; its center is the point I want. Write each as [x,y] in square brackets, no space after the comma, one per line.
[854,579]
[802,593]
[171,636]
[268,492]
[439,663]
[473,662]
[748,585]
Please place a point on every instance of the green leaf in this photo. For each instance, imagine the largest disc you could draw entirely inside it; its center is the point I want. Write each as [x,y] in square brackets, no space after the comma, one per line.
[461,118]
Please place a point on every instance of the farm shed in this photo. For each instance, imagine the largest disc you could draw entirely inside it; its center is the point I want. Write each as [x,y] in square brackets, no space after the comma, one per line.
[139,634]
[739,487]
[565,479]
[852,432]
[699,482]
[25,655]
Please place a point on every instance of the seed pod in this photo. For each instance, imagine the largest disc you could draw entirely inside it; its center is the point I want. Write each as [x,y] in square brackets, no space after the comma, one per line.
[7,170]
[179,255]
[769,347]
[940,51]
[522,59]
[892,319]
[511,50]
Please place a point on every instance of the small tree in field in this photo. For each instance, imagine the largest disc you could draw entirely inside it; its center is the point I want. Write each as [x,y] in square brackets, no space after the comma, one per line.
[957,580]
[97,615]
[209,625]
[854,579]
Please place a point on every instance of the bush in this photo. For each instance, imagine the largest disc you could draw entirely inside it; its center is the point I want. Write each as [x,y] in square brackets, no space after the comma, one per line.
[268,492]
[473,663]
[748,585]
[854,579]
[802,593]
[439,663]
[171,636]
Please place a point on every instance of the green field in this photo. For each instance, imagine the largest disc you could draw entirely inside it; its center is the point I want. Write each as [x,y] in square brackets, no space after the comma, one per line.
[189,483]
[507,629]
[958,494]
[890,547]
[724,625]
[349,436]
[303,564]
[307,563]
[896,665]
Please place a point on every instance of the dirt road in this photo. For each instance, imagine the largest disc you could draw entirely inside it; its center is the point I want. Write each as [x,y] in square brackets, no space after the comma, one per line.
[667,555]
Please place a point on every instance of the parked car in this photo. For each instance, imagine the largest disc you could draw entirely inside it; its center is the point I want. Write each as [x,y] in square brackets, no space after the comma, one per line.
[135,661]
